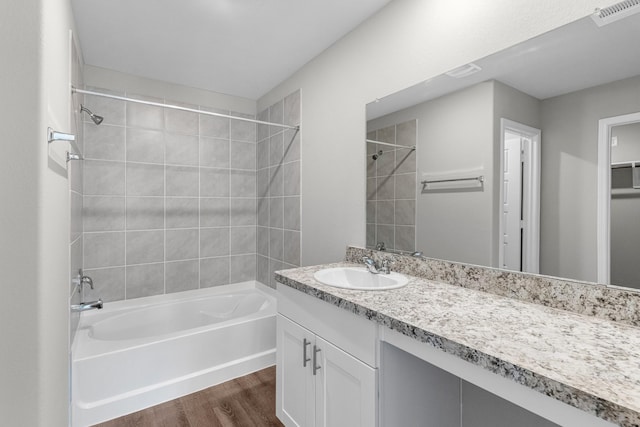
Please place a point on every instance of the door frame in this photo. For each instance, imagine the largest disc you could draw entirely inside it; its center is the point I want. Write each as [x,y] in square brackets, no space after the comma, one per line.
[531,204]
[603,242]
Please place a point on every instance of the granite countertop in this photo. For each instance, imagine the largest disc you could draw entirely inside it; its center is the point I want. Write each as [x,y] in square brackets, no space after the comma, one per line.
[587,362]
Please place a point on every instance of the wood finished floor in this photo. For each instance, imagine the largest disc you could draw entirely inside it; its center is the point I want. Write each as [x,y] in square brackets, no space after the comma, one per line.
[243,402]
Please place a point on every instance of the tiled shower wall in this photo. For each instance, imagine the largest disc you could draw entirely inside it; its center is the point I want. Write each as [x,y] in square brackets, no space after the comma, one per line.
[278,172]
[169,199]
[391,188]
[172,199]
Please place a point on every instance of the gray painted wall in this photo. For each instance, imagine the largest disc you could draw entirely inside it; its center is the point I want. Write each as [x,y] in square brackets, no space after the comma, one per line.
[569,174]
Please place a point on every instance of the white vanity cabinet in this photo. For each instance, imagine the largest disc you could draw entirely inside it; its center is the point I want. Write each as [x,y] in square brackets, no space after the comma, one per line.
[326,364]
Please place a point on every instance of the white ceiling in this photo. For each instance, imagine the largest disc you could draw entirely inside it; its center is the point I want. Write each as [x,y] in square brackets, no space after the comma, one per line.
[237,47]
[573,57]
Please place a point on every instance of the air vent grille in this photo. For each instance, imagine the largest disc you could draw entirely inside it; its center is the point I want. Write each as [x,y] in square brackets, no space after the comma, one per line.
[617,11]
[464,71]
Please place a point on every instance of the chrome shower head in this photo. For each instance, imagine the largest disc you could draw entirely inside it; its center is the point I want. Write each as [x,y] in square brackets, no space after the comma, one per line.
[378,154]
[96,119]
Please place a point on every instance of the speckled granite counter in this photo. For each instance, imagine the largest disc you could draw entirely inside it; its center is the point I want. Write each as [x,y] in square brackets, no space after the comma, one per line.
[585,361]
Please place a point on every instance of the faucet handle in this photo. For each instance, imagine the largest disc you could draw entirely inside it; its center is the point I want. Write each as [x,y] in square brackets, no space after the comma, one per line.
[86,280]
[370,264]
[386,264]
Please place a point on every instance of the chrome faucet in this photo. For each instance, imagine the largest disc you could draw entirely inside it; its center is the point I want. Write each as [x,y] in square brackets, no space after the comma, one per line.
[84,306]
[370,264]
[83,280]
[374,268]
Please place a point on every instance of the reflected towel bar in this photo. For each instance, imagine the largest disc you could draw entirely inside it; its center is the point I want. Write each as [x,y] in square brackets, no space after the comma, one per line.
[471,178]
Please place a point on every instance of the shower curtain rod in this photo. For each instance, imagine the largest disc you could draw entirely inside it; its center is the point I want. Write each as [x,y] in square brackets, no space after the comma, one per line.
[406,147]
[177,107]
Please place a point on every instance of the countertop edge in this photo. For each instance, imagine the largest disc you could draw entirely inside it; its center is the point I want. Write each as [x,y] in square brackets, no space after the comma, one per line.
[570,395]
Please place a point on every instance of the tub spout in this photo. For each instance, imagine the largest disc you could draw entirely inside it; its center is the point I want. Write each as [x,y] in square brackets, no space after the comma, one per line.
[84,306]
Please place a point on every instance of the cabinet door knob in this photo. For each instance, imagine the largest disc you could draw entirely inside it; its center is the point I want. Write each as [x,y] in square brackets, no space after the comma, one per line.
[315,357]
[305,359]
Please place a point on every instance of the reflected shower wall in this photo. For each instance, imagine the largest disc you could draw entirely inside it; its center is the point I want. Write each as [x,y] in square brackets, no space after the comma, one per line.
[391,187]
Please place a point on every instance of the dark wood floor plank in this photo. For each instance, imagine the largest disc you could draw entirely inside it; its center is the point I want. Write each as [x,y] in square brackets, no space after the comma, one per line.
[257,396]
[232,414]
[169,414]
[199,408]
[247,401]
[254,406]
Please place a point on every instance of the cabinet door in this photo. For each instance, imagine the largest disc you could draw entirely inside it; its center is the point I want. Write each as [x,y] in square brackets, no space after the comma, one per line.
[346,388]
[295,404]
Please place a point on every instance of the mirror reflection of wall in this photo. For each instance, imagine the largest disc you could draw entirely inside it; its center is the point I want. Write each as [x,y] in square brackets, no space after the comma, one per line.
[625,205]
[391,187]
[457,135]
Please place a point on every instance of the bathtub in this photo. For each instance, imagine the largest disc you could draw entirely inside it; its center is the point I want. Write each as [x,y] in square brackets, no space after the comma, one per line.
[137,353]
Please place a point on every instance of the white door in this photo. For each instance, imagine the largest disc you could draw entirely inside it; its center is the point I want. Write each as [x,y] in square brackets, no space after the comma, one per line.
[519,197]
[346,388]
[295,402]
[512,202]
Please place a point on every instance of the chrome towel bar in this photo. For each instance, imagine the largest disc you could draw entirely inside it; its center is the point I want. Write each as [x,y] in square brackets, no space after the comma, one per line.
[471,178]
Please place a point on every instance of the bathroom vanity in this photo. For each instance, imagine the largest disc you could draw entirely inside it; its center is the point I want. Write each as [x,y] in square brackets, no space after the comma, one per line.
[457,346]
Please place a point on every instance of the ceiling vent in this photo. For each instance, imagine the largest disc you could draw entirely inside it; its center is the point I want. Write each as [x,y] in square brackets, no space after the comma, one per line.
[617,11]
[465,70]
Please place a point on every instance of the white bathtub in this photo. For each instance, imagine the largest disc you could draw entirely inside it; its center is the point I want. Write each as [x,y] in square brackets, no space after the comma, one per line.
[138,353]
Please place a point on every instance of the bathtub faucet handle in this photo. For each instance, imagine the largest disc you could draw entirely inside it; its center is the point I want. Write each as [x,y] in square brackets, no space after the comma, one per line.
[86,280]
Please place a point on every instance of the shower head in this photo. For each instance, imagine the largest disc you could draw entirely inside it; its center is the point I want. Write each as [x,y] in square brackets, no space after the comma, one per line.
[96,119]
[378,154]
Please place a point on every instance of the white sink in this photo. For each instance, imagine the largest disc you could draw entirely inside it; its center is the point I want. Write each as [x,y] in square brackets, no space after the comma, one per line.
[359,279]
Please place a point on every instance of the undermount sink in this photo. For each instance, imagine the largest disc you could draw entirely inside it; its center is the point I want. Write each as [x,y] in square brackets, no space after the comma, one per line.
[359,279]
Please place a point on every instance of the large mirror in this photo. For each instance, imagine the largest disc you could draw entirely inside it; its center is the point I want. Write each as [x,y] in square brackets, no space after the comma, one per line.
[505,171]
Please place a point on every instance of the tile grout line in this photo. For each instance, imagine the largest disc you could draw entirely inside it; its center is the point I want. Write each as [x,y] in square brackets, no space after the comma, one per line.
[126,142]
[229,195]
[164,157]
[169,261]
[199,204]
